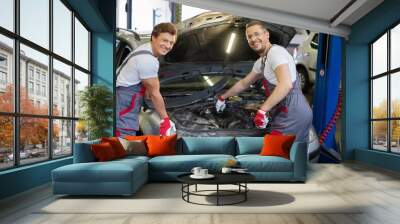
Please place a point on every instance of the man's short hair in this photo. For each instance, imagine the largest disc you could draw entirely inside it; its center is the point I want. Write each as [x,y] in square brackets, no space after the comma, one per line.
[256,22]
[164,28]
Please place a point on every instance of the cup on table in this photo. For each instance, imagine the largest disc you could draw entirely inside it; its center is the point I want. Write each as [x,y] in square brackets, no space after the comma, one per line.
[203,172]
[196,170]
[226,170]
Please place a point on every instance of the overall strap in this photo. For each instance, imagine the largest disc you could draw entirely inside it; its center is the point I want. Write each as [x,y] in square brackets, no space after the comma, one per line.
[264,59]
[132,54]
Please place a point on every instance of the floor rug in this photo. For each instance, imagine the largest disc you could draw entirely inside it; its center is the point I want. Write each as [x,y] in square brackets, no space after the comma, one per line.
[167,198]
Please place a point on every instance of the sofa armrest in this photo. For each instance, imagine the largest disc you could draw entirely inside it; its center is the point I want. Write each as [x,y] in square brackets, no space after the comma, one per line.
[83,152]
[298,155]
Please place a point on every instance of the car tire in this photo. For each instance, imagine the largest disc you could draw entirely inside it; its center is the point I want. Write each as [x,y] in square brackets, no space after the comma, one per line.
[305,79]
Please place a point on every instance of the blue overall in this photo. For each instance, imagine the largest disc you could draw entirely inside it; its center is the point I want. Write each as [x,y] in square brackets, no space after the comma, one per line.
[292,115]
[129,102]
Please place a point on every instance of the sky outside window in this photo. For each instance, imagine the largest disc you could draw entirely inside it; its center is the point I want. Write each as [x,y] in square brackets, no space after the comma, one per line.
[35,21]
[379,56]
[62,29]
[7,14]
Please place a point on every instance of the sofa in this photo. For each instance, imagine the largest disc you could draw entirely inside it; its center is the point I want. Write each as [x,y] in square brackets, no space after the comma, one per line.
[126,175]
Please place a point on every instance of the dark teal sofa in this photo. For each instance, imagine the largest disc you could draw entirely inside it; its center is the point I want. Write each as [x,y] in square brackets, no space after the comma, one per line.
[125,176]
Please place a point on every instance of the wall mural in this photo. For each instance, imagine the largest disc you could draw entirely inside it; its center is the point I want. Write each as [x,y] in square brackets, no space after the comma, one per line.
[199,68]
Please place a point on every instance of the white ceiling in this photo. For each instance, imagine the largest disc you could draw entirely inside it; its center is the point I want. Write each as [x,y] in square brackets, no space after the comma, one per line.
[325,16]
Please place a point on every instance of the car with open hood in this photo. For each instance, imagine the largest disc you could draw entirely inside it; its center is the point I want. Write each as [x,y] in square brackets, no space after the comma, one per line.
[211,54]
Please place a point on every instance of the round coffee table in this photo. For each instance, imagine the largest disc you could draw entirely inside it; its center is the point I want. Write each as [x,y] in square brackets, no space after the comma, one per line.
[238,179]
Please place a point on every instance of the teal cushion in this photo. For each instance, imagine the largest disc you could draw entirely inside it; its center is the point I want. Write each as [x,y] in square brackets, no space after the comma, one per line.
[111,171]
[185,163]
[208,145]
[257,163]
[83,152]
[249,145]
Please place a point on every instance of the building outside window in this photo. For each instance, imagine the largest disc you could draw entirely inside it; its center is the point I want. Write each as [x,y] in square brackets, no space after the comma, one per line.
[57,136]
[385,96]
[43,78]
[30,87]
[43,90]
[3,72]
[38,89]
[30,72]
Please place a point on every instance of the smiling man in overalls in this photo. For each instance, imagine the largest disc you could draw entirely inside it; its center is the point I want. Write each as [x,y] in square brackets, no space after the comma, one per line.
[288,109]
[139,75]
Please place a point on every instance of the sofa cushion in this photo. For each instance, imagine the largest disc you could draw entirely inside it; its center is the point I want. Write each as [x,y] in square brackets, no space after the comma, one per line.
[116,145]
[208,145]
[249,145]
[257,163]
[134,137]
[103,152]
[161,145]
[97,172]
[83,152]
[134,147]
[277,145]
[185,163]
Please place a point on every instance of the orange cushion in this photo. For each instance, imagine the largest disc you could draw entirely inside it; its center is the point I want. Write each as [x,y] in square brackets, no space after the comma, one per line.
[161,145]
[116,145]
[103,151]
[277,145]
[134,138]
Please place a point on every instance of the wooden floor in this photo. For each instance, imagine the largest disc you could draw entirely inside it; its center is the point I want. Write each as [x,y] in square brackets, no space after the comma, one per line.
[377,188]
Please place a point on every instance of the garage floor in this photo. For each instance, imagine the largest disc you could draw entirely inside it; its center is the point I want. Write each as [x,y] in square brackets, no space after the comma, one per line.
[378,189]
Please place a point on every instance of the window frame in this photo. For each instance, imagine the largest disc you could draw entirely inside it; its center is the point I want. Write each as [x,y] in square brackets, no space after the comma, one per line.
[16,114]
[388,74]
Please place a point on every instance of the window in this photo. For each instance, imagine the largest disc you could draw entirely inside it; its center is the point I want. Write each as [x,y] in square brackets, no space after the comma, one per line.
[3,72]
[3,78]
[43,90]
[3,61]
[54,126]
[38,89]
[385,96]
[30,88]
[37,74]
[6,71]
[7,14]
[62,74]
[35,22]
[30,73]
[81,45]
[62,29]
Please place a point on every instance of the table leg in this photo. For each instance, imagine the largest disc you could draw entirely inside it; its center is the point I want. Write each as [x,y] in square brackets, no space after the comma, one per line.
[217,194]
[245,191]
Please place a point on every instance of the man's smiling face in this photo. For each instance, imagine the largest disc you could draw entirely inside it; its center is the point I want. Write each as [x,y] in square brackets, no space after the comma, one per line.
[163,43]
[258,38]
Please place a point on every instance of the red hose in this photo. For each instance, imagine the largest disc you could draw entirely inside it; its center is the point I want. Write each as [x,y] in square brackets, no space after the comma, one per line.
[332,121]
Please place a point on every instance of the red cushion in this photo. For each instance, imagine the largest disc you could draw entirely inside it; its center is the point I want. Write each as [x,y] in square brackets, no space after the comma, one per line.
[161,145]
[277,145]
[134,138]
[103,151]
[116,145]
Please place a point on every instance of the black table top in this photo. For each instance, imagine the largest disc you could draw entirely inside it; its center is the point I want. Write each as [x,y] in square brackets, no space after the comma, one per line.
[220,178]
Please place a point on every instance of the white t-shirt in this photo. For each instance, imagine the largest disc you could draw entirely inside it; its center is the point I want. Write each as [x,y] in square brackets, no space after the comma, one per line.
[139,67]
[277,55]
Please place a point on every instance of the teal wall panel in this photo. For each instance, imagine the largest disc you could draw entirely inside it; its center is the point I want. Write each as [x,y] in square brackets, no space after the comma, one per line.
[377,158]
[356,85]
[24,178]
[103,58]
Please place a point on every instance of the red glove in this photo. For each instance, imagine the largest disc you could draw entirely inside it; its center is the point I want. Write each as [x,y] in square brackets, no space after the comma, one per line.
[261,120]
[167,127]
[220,105]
